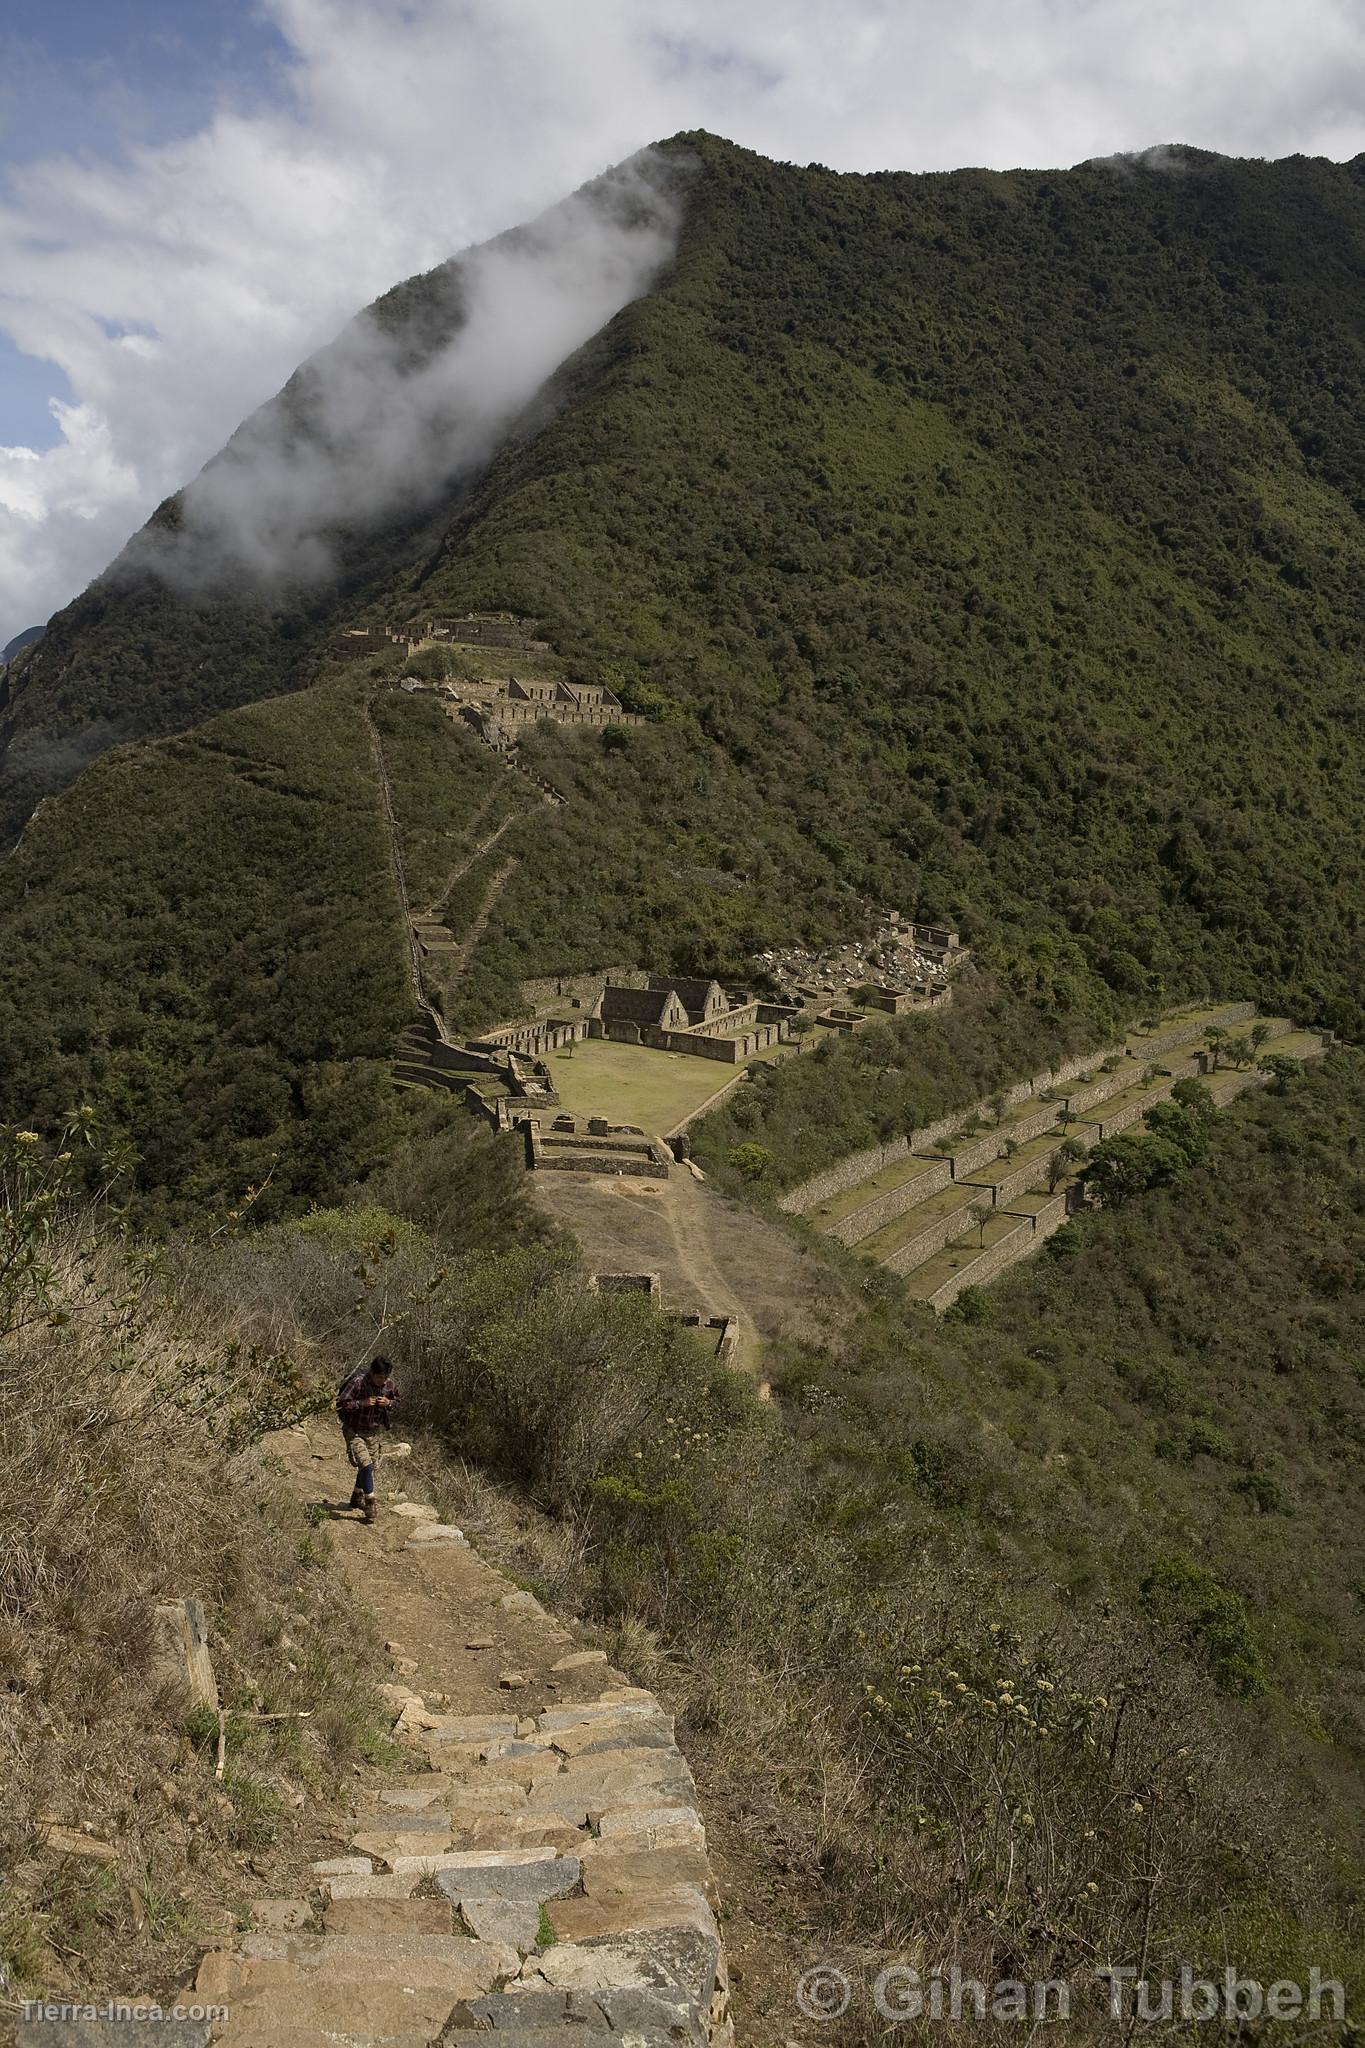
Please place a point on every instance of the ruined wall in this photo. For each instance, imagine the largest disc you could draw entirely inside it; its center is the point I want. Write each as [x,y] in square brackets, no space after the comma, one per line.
[885,1208]
[537,1038]
[575,990]
[641,1160]
[508,712]
[743,1015]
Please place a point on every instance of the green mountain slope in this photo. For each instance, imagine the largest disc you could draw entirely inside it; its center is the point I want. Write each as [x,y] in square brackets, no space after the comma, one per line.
[984,544]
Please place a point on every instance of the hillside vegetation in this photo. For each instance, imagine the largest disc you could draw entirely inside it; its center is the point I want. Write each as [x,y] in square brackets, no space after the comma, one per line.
[987,544]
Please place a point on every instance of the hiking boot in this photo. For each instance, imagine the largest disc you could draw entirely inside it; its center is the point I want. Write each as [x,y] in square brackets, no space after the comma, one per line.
[371,1506]
[357,1499]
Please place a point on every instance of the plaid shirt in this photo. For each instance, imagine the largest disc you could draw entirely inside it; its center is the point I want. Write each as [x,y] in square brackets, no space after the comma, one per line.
[358,1402]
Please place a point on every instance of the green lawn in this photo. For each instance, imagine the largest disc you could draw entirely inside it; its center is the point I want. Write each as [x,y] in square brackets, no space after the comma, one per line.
[634,1084]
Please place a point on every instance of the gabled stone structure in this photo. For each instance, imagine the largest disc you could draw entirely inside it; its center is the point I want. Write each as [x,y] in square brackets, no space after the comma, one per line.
[695,1017]
[704,1001]
[626,1011]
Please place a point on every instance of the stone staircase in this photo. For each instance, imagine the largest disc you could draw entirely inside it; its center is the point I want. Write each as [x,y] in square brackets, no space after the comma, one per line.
[538,1877]
[949,1215]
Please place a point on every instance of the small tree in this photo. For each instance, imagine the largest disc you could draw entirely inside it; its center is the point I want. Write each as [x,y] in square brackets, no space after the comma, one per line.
[1129,1165]
[1282,1070]
[752,1161]
[1215,1038]
[980,1213]
[1259,1034]
[1239,1051]
[1067,1155]
[998,1105]
[1194,1096]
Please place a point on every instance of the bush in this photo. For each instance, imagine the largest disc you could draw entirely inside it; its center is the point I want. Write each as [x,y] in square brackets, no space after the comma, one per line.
[1187,1599]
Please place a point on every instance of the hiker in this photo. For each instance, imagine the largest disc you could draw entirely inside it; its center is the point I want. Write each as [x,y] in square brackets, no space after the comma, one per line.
[365,1401]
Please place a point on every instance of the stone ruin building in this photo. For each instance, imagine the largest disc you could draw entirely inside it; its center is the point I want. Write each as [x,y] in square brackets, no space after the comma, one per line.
[496,707]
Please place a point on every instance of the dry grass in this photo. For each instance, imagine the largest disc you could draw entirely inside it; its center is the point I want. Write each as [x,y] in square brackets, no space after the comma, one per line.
[124,1426]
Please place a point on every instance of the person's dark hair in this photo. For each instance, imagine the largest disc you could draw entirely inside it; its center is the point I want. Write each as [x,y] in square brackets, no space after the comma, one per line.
[380,1364]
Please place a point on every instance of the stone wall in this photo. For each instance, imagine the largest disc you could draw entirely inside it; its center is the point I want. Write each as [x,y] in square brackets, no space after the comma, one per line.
[978,1152]
[885,1208]
[935,1238]
[700,1041]
[510,713]
[1098,1090]
[536,1037]
[860,1166]
[1230,1015]
[641,1159]
[581,991]
[844,1174]
[1005,1191]
[1006,1251]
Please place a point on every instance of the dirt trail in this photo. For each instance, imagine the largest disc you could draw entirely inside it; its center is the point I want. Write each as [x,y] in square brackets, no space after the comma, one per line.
[542,1865]
[712,1255]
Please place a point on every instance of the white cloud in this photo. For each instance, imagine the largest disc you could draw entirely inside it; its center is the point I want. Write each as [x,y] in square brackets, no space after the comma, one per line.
[177,285]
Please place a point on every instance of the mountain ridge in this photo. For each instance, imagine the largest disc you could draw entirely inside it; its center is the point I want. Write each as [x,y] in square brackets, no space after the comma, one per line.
[983,543]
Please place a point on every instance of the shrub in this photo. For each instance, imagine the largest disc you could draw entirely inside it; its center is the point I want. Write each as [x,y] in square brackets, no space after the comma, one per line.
[753,1162]
[1187,1599]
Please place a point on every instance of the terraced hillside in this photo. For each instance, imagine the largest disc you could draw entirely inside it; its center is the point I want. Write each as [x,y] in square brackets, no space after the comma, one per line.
[958,1206]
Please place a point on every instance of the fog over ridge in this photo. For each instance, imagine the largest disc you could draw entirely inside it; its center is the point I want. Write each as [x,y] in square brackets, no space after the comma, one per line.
[380,420]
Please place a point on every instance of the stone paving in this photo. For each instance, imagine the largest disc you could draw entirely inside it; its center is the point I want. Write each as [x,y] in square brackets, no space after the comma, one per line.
[537,1877]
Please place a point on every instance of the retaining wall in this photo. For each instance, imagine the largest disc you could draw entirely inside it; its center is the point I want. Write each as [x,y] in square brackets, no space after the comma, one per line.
[860,1166]
[885,1208]
[1014,1184]
[1006,1251]
[936,1238]
[1160,1041]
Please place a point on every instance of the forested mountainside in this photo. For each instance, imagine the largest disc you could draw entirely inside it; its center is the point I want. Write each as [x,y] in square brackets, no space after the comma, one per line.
[984,544]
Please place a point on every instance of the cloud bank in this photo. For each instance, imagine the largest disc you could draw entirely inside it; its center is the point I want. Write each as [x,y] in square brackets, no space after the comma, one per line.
[176,282]
[373,424]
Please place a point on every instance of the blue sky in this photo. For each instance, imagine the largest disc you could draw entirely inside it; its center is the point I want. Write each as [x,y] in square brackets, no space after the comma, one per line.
[94,78]
[195,194]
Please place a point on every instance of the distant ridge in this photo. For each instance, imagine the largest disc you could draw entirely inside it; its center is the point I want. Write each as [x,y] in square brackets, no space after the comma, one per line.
[21,641]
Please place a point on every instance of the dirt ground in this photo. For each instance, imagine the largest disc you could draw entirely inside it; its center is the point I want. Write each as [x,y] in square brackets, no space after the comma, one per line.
[713,1256]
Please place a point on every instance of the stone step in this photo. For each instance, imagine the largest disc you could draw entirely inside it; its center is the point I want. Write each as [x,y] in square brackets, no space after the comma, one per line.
[292,2028]
[300,2008]
[385,1917]
[334,1950]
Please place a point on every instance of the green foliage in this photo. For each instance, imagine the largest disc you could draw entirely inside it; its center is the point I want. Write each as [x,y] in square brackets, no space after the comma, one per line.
[229,979]
[1131,1164]
[751,1162]
[1186,1598]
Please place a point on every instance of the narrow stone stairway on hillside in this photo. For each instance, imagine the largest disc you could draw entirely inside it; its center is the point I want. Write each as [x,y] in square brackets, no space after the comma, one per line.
[539,1876]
